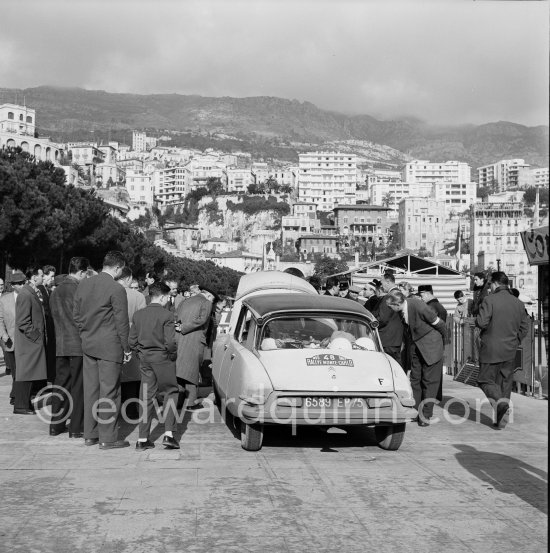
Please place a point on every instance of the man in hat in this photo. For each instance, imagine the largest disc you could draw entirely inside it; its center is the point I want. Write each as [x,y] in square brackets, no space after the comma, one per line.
[30,341]
[343,290]
[7,326]
[192,320]
[426,294]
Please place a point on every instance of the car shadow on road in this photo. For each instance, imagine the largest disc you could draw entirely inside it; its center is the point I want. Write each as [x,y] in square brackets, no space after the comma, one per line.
[506,475]
[460,408]
[328,439]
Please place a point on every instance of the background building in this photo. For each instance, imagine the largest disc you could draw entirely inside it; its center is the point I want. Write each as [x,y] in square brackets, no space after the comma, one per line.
[139,141]
[422,224]
[504,174]
[327,179]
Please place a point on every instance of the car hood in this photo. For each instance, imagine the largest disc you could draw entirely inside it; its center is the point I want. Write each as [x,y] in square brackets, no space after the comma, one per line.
[321,370]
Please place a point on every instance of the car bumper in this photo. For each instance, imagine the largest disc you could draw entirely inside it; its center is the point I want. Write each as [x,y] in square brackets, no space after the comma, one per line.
[377,409]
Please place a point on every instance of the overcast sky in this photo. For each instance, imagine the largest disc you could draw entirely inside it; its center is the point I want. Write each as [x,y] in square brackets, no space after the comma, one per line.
[443,61]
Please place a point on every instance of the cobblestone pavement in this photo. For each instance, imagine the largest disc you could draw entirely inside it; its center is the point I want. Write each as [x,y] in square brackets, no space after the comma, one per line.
[451,487]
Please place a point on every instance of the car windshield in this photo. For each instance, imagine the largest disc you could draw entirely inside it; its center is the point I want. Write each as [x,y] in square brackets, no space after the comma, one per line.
[317,333]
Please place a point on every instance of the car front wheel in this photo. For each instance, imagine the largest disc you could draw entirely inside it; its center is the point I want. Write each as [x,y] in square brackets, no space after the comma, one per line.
[252,436]
[391,436]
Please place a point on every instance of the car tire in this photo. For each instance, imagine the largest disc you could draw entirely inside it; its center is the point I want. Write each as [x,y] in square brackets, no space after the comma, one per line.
[390,437]
[252,436]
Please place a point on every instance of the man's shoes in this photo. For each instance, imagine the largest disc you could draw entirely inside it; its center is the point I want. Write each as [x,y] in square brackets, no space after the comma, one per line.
[170,443]
[24,412]
[423,421]
[56,431]
[76,435]
[91,441]
[114,445]
[503,411]
[142,446]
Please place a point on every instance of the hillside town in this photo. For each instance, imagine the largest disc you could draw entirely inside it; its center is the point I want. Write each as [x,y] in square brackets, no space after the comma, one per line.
[250,214]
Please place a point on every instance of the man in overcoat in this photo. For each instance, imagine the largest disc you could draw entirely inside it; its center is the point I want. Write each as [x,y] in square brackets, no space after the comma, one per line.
[68,396]
[7,326]
[46,291]
[29,342]
[101,315]
[192,320]
[504,323]
[425,329]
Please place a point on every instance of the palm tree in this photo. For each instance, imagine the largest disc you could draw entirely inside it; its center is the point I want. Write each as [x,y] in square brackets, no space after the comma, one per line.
[387,200]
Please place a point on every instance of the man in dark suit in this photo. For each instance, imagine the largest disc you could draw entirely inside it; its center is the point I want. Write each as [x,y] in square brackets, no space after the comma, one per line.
[68,397]
[29,342]
[101,315]
[425,329]
[504,323]
[153,338]
[175,297]
[46,290]
[426,293]
[390,325]
[193,318]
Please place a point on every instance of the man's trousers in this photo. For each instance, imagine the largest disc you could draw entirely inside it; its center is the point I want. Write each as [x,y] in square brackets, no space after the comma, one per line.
[158,377]
[101,380]
[68,395]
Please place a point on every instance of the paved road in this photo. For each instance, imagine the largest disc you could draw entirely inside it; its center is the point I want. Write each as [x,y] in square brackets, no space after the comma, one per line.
[451,487]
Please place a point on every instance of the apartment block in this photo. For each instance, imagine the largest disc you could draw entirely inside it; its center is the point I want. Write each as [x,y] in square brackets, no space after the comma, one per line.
[140,187]
[327,178]
[363,224]
[16,119]
[504,174]
[170,185]
[201,168]
[238,180]
[139,141]
[422,224]
[425,171]
[495,234]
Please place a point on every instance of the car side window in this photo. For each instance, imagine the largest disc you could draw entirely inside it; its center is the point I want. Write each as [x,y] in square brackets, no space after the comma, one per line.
[243,326]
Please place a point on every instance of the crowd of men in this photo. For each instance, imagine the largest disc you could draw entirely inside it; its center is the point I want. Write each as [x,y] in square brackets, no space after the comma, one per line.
[413,330]
[86,332]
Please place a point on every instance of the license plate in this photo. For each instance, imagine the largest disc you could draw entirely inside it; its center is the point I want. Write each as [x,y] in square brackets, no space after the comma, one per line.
[335,402]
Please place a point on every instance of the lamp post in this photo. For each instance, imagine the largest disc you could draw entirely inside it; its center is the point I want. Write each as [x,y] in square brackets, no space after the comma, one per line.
[498,265]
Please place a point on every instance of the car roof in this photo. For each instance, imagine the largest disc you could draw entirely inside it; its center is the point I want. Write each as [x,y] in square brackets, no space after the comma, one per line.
[265,280]
[264,305]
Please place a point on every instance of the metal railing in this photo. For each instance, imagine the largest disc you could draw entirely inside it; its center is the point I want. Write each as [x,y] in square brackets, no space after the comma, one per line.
[462,356]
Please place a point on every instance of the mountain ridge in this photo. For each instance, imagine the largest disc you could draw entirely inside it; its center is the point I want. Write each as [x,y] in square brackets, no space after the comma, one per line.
[75,111]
